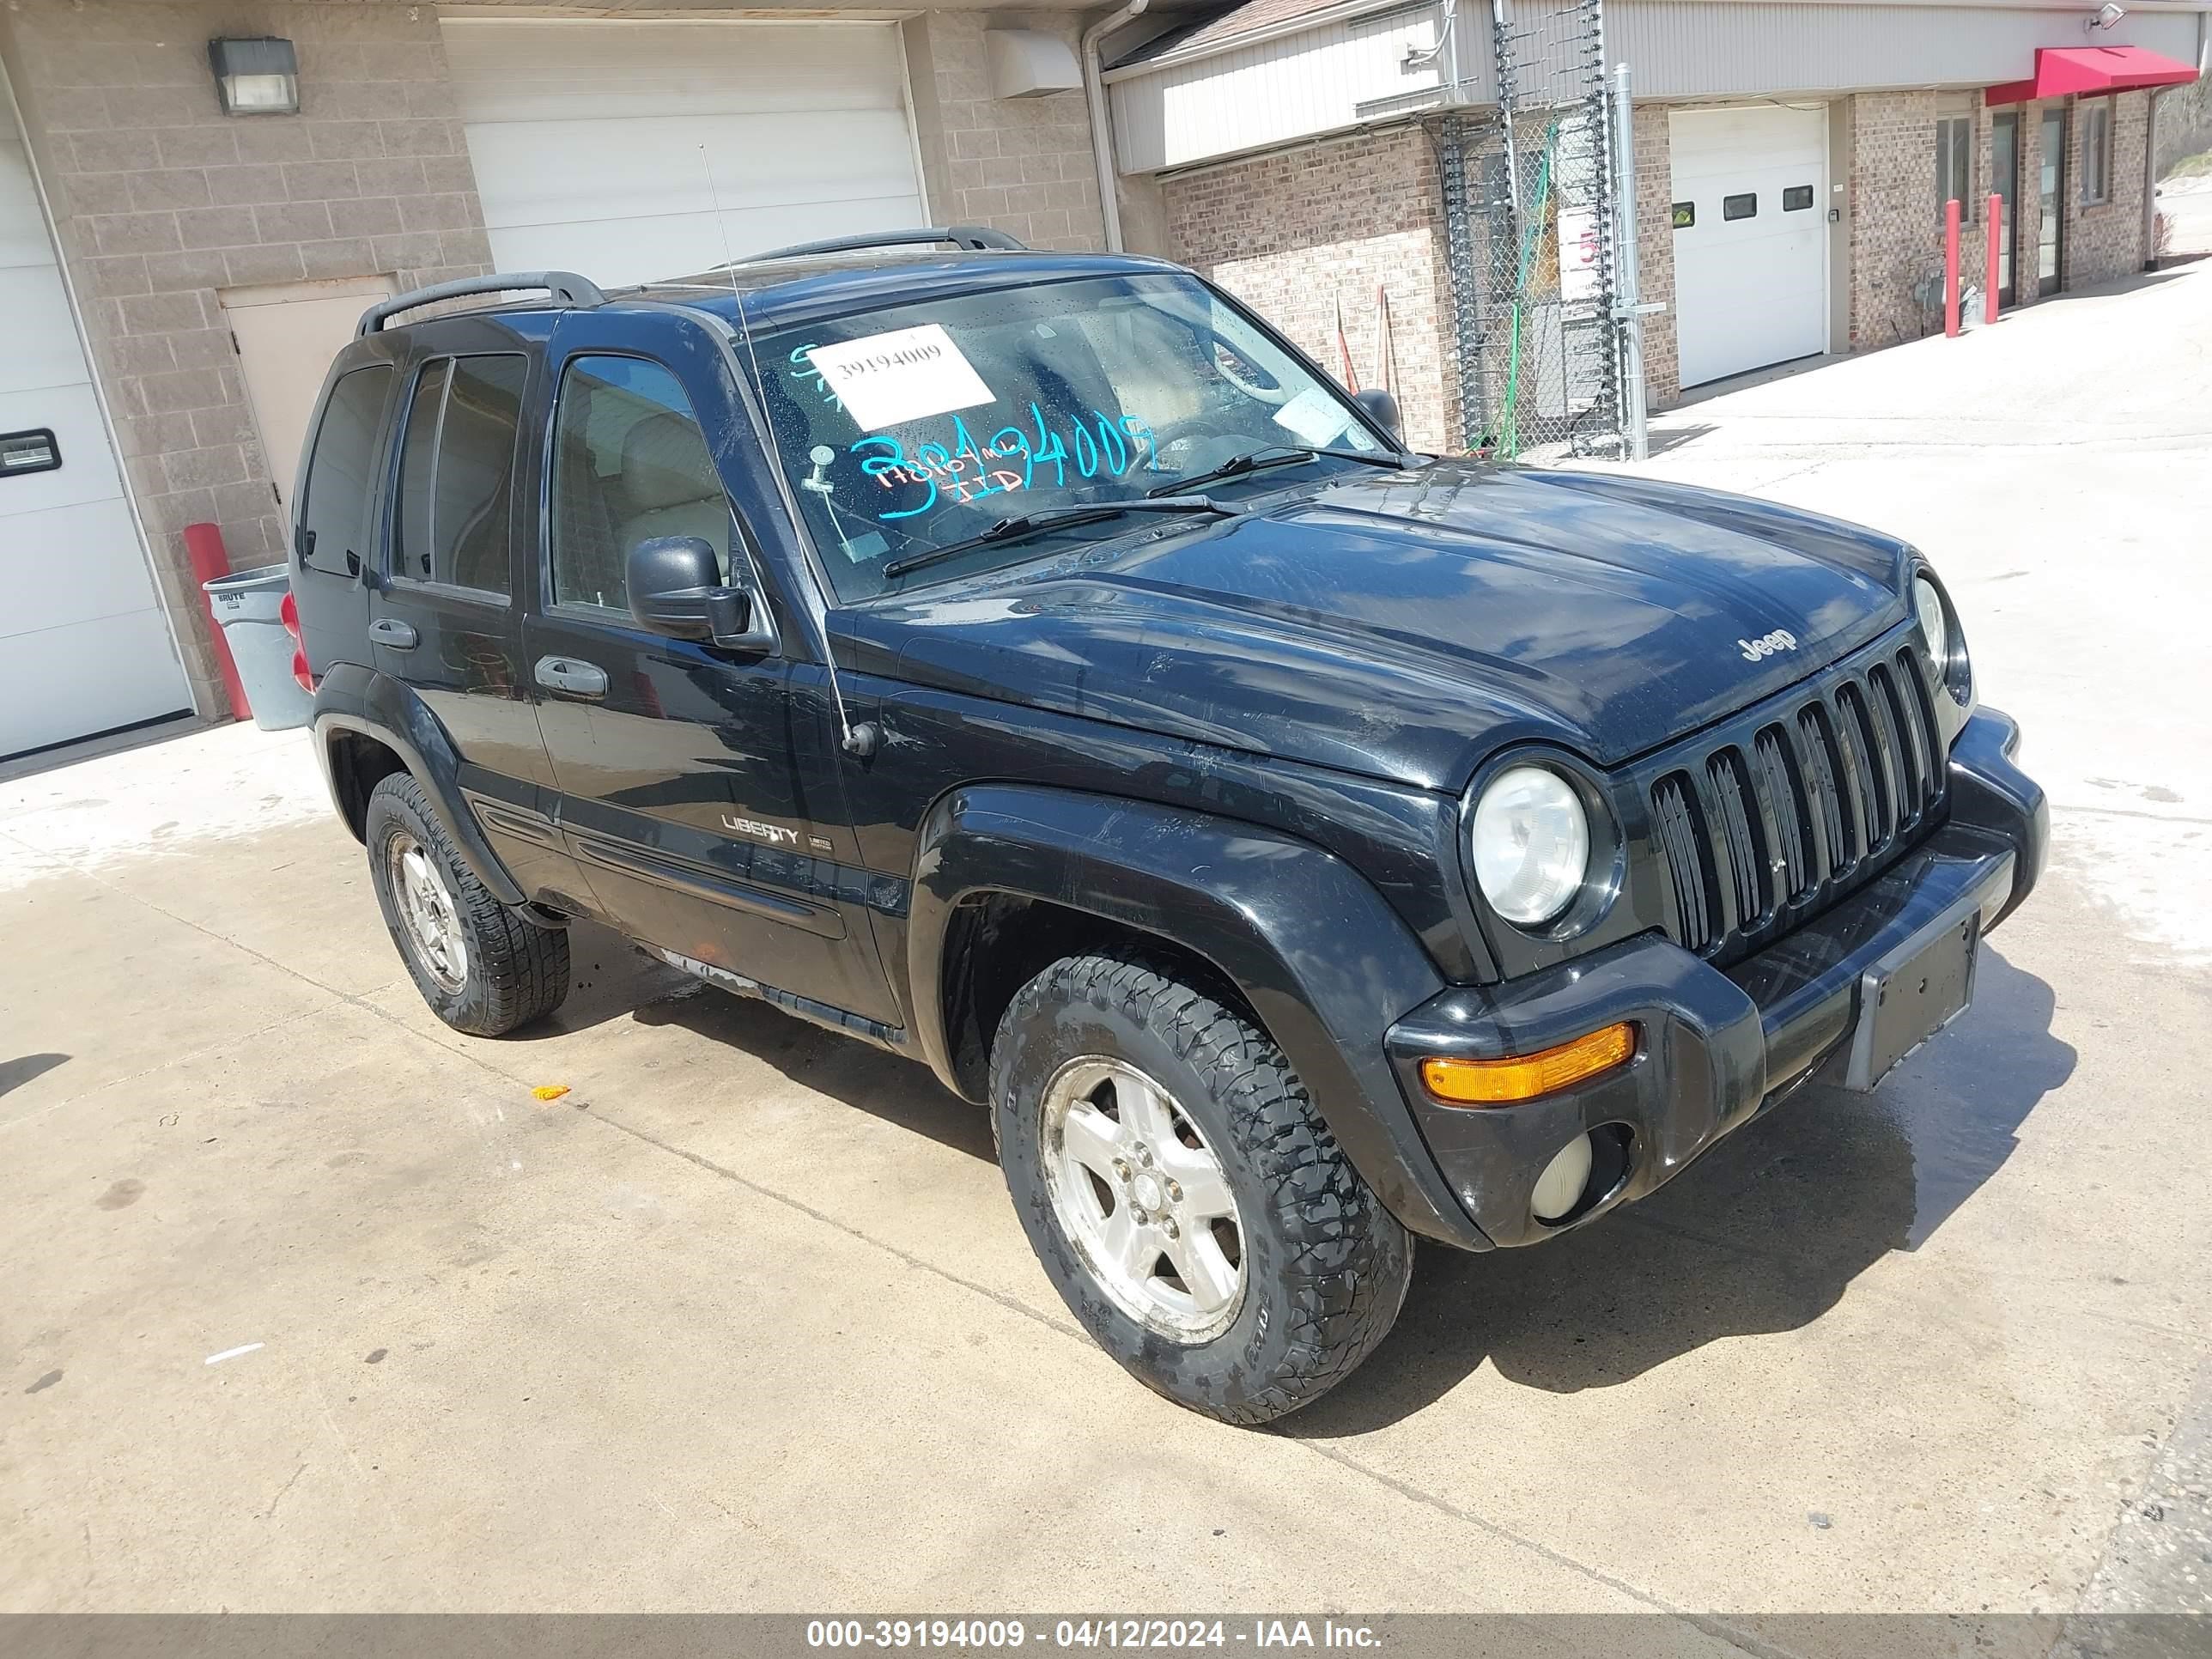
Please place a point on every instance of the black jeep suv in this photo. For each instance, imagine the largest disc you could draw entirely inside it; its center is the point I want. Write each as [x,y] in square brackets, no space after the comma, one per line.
[1031,665]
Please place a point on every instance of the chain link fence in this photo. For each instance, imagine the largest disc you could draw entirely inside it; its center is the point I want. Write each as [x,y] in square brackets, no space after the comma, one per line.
[1529,197]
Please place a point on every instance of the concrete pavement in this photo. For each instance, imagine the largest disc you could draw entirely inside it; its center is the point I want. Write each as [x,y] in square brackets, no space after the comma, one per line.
[313,1305]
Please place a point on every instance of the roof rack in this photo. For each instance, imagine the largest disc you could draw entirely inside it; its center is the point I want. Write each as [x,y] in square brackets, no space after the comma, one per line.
[565,286]
[974,237]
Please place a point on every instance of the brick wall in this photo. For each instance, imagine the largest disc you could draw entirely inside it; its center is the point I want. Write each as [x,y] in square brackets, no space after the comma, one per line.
[1294,232]
[1895,232]
[2105,239]
[160,201]
[1024,165]
[2026,208]
[1655,252]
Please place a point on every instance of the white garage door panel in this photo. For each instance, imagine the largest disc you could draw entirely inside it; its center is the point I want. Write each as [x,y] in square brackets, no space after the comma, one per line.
[540,71]
[62,684]
[86,472]
[1750,291]
[57,555]
[40,347]
[545,180]
[84,645]
[593,141]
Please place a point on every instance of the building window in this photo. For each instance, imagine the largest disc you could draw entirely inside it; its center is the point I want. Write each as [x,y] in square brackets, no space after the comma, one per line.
[1796,198]
[2097,150]
[1745,206]
[1954,163]
[1685,215]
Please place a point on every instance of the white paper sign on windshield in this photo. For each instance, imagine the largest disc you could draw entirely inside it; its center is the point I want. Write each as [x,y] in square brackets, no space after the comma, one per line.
[1313,417]
[886,379]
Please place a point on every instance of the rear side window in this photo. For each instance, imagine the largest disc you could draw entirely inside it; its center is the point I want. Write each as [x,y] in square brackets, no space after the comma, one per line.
[334,501]
[629,462]
[457,473]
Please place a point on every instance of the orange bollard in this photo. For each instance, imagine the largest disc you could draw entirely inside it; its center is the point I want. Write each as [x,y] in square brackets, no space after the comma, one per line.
[210,560]
[1951,267]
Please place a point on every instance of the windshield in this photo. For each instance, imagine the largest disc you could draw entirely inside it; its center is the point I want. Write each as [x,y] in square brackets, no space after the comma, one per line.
[911,428]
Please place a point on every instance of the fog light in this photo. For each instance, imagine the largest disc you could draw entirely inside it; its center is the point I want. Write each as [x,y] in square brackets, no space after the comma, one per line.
[1560,1189]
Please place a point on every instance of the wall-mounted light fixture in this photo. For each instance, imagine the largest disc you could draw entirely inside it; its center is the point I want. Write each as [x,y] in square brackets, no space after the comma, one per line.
[259,76]
[2105,16]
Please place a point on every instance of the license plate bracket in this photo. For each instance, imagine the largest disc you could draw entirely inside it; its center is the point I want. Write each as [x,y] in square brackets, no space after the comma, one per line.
[1913,993]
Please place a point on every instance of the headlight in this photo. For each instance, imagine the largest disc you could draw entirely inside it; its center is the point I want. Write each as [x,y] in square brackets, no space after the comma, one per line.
[1930,604]
[1531,844]
[1947,652]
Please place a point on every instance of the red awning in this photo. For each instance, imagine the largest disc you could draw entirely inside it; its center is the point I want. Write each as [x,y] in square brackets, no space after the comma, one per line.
[2060,70]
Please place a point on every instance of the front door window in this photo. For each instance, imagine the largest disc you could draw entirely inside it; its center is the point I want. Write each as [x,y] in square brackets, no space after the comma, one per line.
[2051,231]
[629,463]
[2004,169]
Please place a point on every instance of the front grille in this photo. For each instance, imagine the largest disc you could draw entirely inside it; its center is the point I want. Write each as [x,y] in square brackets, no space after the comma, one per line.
[1786,810]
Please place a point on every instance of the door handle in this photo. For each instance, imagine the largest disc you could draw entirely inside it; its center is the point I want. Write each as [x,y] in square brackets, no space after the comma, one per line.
[566,674]
[390,630]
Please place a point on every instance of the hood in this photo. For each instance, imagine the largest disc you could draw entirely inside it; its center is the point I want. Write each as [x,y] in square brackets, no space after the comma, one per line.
[1405,625]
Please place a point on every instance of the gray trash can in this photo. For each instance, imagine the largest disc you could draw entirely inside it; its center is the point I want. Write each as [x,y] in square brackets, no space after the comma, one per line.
[248,606]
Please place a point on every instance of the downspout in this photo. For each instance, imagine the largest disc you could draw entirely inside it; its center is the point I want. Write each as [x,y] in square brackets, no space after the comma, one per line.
[2150,145]
[1102,123]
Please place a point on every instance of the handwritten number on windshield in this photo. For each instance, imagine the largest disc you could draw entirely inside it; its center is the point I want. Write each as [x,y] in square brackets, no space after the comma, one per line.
[964,469]
[892,467]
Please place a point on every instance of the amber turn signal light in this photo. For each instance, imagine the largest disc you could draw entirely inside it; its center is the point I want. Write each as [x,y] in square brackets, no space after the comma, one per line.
[1457,1082]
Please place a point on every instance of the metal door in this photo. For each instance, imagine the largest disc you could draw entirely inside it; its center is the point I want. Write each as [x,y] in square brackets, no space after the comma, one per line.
[2004,175]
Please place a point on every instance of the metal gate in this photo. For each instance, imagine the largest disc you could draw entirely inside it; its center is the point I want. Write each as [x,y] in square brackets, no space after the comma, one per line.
[1529,198]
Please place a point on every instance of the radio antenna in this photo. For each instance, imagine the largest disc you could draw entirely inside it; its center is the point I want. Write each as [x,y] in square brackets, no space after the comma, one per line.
[862,740]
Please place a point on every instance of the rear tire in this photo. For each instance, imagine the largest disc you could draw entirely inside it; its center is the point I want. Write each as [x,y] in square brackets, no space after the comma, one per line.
[1112,1084]
[483,968]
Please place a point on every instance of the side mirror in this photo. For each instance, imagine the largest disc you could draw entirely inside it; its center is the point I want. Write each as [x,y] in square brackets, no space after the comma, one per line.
[1382,409]
[675,589]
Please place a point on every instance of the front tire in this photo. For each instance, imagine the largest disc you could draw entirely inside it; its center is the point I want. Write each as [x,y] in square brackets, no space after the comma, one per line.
[482,968]
[1184,1196]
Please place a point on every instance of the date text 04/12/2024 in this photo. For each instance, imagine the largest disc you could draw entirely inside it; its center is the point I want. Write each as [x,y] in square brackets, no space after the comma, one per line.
[1163,1635]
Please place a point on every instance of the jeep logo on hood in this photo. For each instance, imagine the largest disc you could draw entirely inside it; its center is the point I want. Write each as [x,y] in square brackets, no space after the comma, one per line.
[1780,639]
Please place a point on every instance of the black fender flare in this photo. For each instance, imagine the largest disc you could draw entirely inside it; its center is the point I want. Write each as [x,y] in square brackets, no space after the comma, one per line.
[1324,961]
[352,698]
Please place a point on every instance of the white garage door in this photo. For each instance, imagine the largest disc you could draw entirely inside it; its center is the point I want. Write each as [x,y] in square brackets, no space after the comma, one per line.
[594,140]
[1751,262]
[84,644]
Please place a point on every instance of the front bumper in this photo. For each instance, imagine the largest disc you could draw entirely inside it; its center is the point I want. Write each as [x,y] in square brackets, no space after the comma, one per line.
[1716,1045]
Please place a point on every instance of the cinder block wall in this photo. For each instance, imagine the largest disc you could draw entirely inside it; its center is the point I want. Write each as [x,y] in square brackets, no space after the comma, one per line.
[1896,237]
[1655,252]
[1295,231]
[2105,239]
[161,200]
[1022,165]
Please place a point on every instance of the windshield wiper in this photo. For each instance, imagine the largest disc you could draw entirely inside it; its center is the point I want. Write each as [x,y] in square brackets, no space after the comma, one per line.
[1055,518]
[1237,466]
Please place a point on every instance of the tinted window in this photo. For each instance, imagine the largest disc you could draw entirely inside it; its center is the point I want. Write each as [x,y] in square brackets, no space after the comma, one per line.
[418,454]
[335,492]
[1745,206]
[456,473]
[1685,215]
[1796,198]
[629,462]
